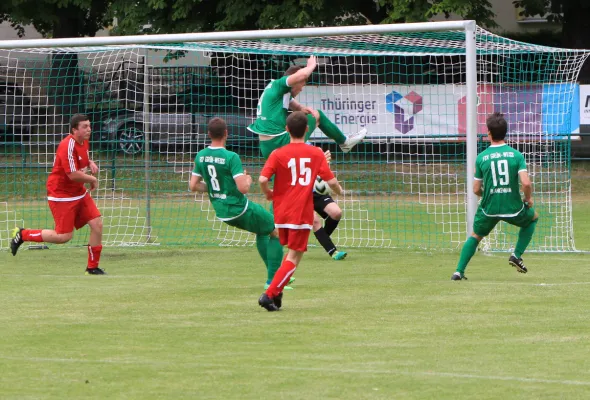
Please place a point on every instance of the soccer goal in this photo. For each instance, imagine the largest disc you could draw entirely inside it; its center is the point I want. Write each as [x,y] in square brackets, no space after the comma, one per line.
[422,91]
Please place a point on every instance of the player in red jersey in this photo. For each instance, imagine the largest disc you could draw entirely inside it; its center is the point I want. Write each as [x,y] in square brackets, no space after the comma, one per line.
[295,168]
[69,200]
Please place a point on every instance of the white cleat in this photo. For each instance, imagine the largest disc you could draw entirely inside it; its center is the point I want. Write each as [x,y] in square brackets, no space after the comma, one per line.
[353,139]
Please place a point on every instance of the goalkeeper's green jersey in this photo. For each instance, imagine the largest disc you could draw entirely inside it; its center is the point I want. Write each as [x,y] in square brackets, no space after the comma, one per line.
[272,109]
[219,167]
[498,166]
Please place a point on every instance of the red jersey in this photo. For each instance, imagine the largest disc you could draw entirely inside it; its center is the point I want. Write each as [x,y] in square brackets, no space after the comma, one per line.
[295,167]
[70,156]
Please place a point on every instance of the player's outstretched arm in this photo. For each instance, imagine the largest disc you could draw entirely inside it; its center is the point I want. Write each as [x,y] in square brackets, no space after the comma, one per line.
[196,184]
[527,187]
[335,186]
[303,74]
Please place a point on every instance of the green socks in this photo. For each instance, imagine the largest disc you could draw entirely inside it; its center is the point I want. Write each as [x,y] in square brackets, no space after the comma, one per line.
[469,249]
[331,130]
[274,257]
[271,252]
[262,247]
[524,238]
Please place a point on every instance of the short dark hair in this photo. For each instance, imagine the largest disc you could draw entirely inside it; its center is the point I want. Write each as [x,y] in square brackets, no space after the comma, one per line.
[216,128]
[76,119]
[291,70]
[296,124]
[497,126]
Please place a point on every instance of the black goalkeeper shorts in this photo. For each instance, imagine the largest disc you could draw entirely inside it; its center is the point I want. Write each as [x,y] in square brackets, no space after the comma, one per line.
[320,201]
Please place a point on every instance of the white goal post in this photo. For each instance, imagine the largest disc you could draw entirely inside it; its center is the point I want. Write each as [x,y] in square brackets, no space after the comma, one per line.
[428,86]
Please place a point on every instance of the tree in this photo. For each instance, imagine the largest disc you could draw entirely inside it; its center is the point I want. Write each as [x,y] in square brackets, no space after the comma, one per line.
[57,18]
[166,16]
[574,16]
[60,19]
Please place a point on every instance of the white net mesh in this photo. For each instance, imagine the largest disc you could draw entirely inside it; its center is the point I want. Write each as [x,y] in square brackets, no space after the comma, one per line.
[406,185]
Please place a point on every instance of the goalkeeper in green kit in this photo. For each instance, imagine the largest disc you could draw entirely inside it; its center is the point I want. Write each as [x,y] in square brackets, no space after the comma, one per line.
[273,107]
[497,173]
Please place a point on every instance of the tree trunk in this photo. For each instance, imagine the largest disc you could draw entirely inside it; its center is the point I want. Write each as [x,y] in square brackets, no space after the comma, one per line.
[65,81]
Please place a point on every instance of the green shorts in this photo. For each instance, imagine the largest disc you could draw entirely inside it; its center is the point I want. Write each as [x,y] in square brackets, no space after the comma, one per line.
[483,224]
[268,146]
[256,220]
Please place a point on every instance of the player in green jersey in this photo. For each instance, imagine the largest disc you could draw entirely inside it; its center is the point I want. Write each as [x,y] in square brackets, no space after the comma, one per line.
[274,104]
[497,172]
[219,173]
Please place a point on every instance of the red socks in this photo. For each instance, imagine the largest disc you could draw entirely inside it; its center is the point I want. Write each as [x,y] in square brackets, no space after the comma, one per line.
[32,235]
[94,255]
[281,278]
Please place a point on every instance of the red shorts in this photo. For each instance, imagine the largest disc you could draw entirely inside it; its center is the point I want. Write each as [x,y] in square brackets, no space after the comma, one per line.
[73,214]
[294,239]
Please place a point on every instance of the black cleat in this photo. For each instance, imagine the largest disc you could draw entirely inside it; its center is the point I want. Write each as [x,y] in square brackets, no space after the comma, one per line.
[266,302]
[278,300]
[16,240]
[518,264]
[94,271]
[458,277]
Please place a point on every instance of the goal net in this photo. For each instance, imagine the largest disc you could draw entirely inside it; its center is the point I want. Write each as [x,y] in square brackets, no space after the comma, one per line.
[405,186]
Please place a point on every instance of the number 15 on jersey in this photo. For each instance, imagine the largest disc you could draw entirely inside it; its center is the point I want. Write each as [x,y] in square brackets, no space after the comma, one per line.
[303,172]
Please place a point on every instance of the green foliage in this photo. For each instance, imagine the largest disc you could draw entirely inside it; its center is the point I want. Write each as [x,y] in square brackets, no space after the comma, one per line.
[543,37]
[574,15]
[422,10]
[164,16]
[551,9]
[56,18]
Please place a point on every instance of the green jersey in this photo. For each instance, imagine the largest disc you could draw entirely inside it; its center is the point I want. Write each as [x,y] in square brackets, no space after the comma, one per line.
[272,109]
[219,167]
[498,166]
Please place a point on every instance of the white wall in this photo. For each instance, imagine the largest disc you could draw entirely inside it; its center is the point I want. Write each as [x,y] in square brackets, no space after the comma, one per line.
[7,32]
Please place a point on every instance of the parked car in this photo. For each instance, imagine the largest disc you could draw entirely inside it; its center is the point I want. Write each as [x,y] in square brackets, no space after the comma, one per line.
[126,130]
[15,113]
[178,120]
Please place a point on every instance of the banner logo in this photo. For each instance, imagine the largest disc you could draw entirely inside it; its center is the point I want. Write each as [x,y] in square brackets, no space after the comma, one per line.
[404,109]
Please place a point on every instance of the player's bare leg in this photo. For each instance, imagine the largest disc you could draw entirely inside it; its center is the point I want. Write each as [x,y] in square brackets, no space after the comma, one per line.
[94,247]
[272,299]
[332,213]
[21,235]
[51,236]
[334,216]
[273,258]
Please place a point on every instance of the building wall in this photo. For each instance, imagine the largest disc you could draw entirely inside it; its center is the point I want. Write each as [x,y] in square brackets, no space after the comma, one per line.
[7,32]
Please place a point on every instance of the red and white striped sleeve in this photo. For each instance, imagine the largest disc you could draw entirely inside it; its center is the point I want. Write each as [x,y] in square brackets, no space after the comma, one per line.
[71,164]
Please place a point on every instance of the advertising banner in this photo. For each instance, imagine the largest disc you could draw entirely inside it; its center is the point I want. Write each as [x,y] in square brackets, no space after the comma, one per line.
[439,111]
[585,108]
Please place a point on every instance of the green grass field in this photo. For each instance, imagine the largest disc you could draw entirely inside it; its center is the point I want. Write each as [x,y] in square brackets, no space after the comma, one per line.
[183,323]
[178,323]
